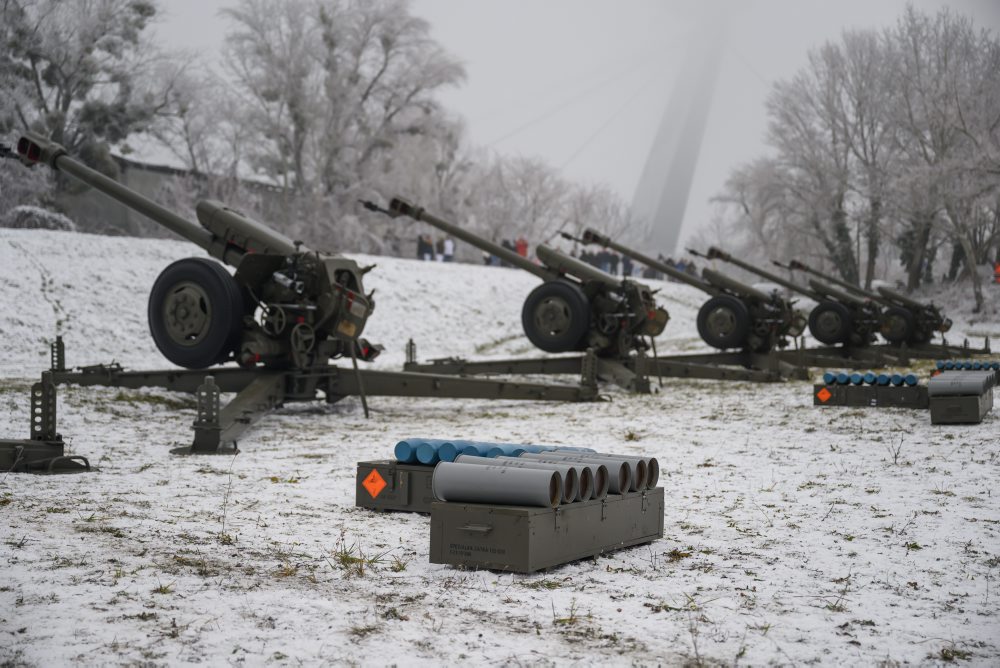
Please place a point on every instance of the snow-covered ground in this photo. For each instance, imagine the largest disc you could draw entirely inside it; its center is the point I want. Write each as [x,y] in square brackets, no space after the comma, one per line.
[792,534]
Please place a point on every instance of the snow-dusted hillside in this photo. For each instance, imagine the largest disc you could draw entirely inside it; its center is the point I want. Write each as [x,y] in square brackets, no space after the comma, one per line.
[792,534]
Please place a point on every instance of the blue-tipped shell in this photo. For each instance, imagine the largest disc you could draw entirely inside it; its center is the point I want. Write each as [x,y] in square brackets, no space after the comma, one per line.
[883,379]
[910,379]
[427,452]
[857,378]
[843,378]
[829,378]
[870,378]
[405,453]
[896,379]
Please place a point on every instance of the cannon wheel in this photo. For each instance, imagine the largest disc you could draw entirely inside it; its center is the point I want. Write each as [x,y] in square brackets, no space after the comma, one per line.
[898,326]
[195,313]
[724,322]
[556,317]
[830,323]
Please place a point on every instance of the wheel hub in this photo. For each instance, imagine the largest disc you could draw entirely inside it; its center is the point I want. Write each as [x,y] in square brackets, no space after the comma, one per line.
[553,316]
[721,321]
[187,314]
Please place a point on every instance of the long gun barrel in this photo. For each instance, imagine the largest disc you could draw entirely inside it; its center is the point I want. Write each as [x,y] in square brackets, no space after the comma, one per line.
[592,236]
[224,233]
[715,253]
[795,265]
[400,207]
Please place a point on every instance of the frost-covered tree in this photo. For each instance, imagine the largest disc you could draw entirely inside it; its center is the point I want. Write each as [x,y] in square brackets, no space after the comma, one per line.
[74,71]
[883,136]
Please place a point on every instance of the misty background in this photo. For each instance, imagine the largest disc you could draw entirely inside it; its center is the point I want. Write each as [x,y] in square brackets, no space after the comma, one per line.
[532,117]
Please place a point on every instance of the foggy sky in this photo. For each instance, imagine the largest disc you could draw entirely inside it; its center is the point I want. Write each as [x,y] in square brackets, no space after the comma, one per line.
[584,84]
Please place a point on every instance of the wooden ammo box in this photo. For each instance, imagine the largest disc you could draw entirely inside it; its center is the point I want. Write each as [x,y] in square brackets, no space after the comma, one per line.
[961,409]
[388,485]
[525,539]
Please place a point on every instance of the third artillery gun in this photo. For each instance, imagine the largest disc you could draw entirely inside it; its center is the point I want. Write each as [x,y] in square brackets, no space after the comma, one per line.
[577,308]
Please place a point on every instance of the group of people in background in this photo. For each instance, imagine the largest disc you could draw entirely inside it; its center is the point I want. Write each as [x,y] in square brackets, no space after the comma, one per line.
[442,250]
[610,261]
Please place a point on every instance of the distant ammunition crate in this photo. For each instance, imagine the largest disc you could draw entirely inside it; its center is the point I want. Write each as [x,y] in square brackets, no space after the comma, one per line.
[525,540]
[388,485]
[961,409]
[872,396]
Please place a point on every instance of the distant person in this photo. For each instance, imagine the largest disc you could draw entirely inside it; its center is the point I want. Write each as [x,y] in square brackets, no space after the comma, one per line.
[424,249]
[627,267]
[448,254]
[692,269]
[439,250]
[521,246]
[613,263]
[509,245]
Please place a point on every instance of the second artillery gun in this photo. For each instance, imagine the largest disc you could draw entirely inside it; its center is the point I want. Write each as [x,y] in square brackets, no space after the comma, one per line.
[577,308]
[282,316]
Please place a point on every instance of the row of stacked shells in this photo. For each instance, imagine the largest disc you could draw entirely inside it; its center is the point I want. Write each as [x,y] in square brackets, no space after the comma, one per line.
[870,378]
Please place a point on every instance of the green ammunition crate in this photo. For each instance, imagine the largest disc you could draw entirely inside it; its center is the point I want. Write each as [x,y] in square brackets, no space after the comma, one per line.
[524,539]
[962,409]
[902,397]
[873,396]
[388,485]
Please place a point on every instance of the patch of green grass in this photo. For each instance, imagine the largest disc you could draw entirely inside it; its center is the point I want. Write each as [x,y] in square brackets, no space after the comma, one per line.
[543,584]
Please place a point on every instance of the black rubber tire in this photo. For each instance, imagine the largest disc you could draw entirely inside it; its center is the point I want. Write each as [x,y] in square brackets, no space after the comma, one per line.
[553,297]
[737,327]
[831,323]
[898,326]
[225,310]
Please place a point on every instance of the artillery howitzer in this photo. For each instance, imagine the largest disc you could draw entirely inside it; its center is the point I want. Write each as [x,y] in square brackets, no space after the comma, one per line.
[576,308]
[736,316]
[905,323]
[845,322]
[285,313]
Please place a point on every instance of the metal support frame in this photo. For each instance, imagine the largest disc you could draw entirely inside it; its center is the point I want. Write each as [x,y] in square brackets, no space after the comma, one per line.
[218,428]
[44,451]
[632,374]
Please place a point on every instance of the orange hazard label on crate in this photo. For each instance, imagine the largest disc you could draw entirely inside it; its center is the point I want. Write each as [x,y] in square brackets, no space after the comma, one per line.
[374,483]
[824,396]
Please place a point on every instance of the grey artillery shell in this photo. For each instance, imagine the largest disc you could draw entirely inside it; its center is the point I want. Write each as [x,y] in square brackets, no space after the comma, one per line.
[960,383]
[652,467]
[619,471]
[570,477]
[504,485]
[594,477]
[637,467]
